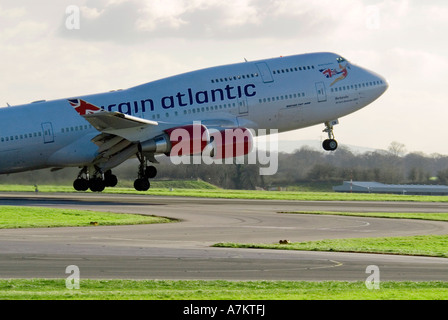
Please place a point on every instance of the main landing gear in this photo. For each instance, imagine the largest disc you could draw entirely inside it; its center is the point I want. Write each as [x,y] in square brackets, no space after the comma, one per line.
[97,182]
[145,173]
[100,180]
[330,144]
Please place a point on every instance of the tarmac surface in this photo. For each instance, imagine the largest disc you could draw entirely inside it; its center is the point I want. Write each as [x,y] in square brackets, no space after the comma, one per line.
[182,250]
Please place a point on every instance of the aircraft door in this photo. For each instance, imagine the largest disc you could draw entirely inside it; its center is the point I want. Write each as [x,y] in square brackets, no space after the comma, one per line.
[321,94]
[47,130]
[265,72]
[243,106]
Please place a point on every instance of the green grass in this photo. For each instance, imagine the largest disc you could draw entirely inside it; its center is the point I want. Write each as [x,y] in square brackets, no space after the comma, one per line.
[434,246]
[209,192]
[36,217]
[55,289]
[425,245]
[438,216]
[173,184]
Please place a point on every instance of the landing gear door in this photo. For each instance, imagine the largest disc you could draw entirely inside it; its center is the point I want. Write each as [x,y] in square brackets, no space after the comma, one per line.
[321,94]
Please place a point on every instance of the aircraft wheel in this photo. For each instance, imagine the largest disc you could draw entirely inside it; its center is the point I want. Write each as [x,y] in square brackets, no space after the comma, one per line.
[330,144]
[150,172]
[96,185]
[141,184]
[81,184]
[111,180]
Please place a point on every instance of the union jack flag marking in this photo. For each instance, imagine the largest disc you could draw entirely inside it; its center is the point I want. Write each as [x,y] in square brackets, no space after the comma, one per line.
[83,107]
[328,72]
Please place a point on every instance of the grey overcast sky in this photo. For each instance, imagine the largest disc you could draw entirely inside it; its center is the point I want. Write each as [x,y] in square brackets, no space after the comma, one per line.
[122,43]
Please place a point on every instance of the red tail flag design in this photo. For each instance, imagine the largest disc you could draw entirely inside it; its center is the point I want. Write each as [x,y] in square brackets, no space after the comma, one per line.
[83,107]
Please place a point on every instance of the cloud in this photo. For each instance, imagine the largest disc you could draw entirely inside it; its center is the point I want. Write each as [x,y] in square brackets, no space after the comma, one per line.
[12,13]
[23,31]
[138,20]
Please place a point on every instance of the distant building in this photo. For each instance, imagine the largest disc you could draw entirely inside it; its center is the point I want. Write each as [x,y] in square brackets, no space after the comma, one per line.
[376,187]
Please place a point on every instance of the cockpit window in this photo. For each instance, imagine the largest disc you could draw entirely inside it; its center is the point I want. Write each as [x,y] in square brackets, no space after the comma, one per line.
[340,59]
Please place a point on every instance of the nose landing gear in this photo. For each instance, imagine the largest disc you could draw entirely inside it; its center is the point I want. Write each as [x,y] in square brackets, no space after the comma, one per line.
[330,144]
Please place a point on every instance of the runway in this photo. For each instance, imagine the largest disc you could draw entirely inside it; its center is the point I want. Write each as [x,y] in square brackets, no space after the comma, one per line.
[182,250]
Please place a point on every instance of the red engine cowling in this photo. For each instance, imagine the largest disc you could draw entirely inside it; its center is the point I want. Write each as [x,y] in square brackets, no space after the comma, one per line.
[188,140]
[180,141]
[231,143]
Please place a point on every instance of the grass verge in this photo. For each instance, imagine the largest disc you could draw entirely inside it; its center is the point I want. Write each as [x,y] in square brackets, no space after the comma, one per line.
[433,246]
[437,216]
[425,245]
[55,289]
[36,217]
[237,194]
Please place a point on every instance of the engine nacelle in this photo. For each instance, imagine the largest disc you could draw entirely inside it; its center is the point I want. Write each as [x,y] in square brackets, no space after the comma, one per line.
[231,143]
[180,141]
[159,144]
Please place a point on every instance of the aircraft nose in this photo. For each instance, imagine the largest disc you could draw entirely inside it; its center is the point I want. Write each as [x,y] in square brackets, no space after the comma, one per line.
[381,82]
[384,84]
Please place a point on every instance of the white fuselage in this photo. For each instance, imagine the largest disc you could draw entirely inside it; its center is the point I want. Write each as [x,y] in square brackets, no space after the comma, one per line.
[284,93]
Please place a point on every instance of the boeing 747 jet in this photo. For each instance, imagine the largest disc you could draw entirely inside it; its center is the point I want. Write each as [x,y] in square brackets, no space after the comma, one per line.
[183,115]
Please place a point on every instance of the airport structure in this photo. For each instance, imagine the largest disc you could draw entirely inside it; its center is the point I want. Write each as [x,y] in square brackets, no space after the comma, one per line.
[376,187]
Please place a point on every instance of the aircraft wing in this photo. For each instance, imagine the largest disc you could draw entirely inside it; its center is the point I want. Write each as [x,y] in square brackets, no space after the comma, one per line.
[108,121]
[120,133]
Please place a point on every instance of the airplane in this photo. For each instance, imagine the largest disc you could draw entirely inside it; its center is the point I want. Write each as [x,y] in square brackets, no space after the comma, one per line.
[98,132]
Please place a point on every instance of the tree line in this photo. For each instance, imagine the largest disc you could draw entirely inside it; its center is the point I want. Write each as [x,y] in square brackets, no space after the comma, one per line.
[305,165]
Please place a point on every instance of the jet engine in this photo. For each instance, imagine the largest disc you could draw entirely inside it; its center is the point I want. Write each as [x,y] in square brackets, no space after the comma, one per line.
[180,141]
[230,143]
